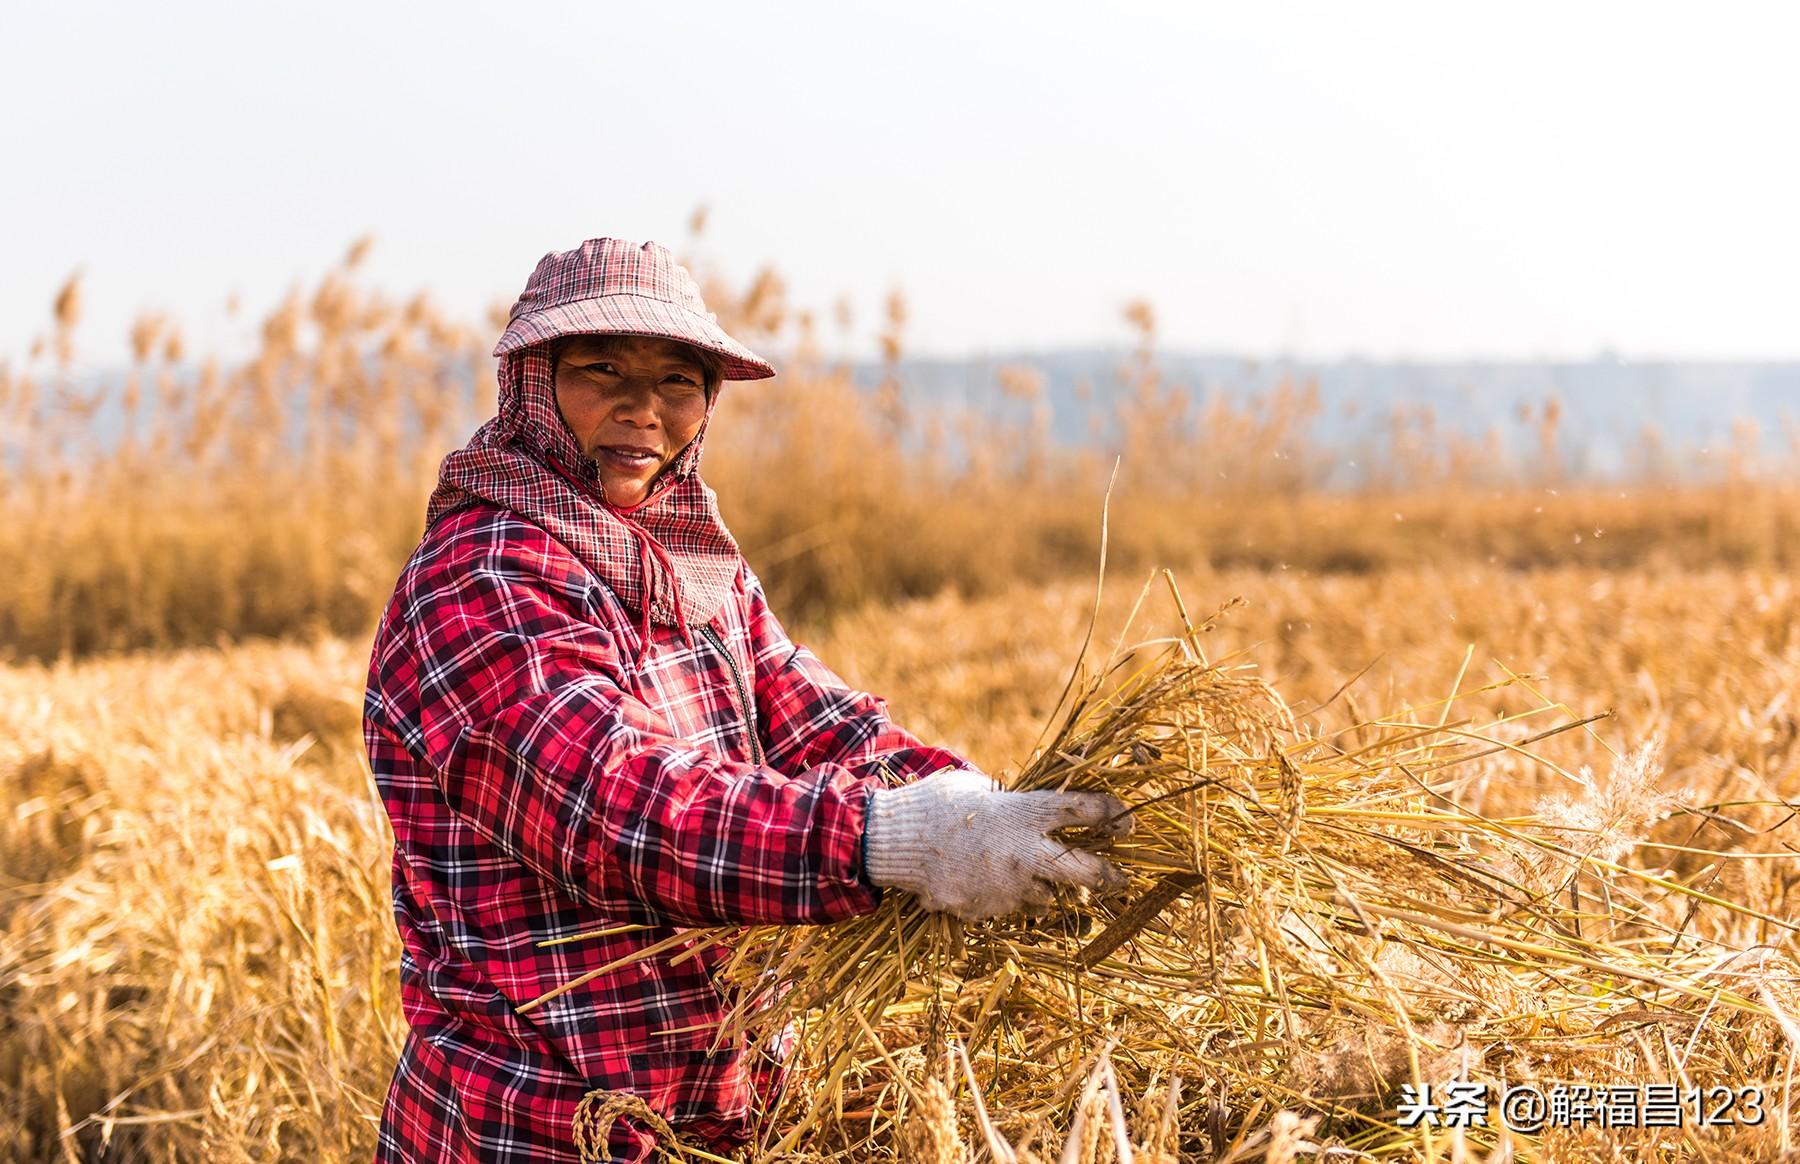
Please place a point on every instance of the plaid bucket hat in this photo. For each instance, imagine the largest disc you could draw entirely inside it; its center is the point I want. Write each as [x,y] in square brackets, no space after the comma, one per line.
[607,286]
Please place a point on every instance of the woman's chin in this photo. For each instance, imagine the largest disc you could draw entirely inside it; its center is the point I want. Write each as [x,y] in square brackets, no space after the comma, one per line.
[624,491]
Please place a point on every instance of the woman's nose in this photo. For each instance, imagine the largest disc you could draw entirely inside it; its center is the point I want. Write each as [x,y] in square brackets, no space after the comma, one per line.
[636,401]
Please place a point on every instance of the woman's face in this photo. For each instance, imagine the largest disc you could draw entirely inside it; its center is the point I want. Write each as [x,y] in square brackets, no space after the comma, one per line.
[633,402]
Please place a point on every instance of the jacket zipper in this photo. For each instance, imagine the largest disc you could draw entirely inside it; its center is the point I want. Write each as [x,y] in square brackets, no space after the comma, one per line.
[737,680]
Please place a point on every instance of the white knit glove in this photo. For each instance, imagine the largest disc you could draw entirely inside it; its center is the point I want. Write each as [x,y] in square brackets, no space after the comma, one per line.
[962,845]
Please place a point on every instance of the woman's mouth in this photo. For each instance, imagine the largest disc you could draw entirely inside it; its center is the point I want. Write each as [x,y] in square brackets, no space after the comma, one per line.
[628,458]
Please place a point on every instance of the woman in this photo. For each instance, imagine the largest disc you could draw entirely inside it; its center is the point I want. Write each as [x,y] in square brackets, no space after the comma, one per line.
[582,715]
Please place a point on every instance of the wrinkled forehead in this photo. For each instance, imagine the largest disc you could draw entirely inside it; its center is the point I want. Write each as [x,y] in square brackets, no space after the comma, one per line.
[643,347]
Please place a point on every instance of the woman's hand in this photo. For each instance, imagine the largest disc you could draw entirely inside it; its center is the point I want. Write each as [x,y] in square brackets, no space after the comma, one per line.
[962,845]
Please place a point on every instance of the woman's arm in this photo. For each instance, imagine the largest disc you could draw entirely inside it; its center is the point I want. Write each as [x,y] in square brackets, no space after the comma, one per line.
[514,702]
[950,837]
[810,716]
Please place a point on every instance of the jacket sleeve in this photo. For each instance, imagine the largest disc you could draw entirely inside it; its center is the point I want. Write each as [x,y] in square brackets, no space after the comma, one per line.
[530,733]
[810,716]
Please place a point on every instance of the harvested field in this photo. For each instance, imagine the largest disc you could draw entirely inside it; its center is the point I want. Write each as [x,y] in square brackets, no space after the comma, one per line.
[200,958]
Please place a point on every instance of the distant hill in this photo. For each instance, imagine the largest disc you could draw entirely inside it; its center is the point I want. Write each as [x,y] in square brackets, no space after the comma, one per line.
[1605,403]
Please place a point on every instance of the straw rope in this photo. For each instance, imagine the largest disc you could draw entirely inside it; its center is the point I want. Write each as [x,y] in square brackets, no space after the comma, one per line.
[599,1110]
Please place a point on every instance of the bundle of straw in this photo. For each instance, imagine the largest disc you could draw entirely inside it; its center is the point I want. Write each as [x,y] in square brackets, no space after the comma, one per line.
[1313,921]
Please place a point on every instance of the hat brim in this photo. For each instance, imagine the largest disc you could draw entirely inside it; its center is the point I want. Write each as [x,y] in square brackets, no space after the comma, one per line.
[634,315]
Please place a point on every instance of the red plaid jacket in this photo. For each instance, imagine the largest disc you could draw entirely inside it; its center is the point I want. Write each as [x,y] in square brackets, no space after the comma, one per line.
[548,773]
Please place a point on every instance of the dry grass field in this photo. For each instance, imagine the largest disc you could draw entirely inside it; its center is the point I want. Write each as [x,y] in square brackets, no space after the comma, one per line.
[199,959]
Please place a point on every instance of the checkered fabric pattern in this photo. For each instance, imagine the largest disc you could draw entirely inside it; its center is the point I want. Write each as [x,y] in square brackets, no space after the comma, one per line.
[609,285]
[548,773]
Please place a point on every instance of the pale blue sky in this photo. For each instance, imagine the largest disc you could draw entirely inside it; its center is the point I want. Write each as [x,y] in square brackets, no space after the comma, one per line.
[1420,180]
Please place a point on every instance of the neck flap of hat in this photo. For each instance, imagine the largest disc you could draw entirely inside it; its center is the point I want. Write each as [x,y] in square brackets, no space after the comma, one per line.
[670,559]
